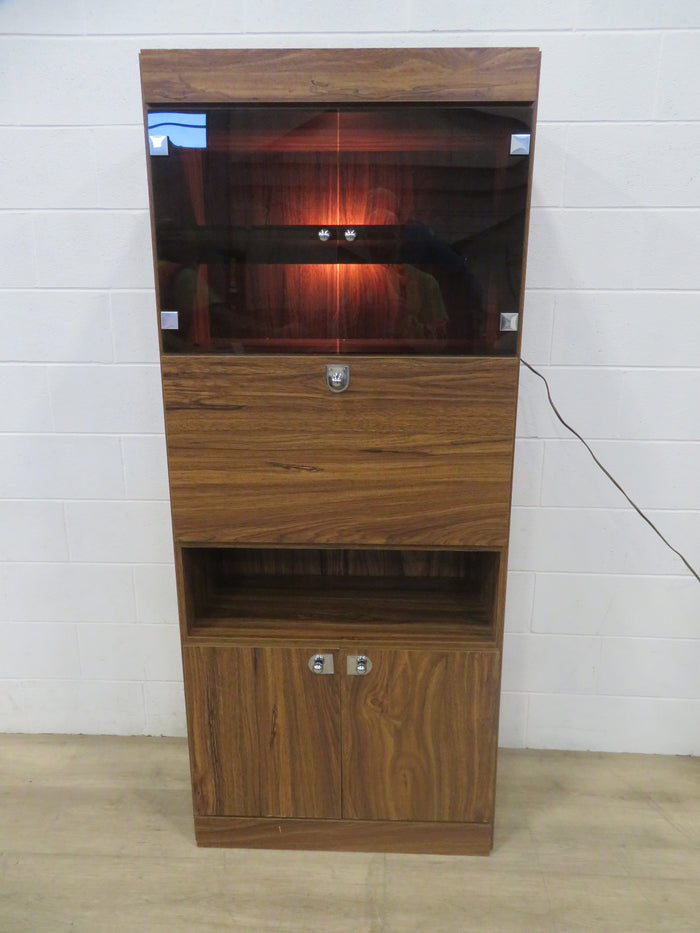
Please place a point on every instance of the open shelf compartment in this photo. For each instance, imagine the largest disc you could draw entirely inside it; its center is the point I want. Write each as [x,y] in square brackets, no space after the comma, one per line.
[341,595]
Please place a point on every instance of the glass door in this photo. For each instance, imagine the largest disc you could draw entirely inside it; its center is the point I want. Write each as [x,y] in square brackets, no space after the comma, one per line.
[367,229]
[434,203]
[245,223]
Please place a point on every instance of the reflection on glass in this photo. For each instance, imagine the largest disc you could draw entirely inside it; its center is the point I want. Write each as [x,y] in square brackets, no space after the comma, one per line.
[188,130]
[362,229]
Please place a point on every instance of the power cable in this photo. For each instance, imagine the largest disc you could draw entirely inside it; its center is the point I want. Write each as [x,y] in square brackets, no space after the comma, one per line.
[608,474]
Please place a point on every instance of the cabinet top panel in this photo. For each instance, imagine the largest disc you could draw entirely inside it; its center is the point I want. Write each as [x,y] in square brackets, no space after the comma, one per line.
[340,75]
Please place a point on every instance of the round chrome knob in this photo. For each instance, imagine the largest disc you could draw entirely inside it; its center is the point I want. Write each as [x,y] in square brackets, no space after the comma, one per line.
[321,664]
[361,664]
[350,235]
[324,234]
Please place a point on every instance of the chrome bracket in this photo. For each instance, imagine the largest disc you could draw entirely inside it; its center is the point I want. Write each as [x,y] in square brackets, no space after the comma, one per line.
[169,320]
[158,144]
[520,144]
[508,321]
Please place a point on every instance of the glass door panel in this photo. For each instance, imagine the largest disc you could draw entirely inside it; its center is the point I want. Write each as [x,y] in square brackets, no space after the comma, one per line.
[368,229]
[245,229]
[435,206]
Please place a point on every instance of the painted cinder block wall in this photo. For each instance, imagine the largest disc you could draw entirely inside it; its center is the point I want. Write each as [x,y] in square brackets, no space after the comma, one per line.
[603,622]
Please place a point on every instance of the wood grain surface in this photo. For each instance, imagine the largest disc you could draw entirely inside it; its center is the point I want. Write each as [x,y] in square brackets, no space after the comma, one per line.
[419,737]
[201,76]
[346,835]
[222,730]
[416,451]
[264,733]
[310,596]
[298,715]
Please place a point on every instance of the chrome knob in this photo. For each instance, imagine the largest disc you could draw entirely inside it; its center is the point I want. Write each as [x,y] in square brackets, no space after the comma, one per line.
[321,664]
[358,664]
[350,235]
[324,234]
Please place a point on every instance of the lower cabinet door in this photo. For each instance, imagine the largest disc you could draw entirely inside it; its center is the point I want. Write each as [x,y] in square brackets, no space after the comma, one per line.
[299,735]
[264,733]
[419,736]
[416,740]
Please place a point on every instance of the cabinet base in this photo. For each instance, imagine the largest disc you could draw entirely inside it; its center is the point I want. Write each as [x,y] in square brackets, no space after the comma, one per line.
[344,835]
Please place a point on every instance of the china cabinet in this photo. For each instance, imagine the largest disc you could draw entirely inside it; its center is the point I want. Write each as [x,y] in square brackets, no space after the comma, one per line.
[339,248]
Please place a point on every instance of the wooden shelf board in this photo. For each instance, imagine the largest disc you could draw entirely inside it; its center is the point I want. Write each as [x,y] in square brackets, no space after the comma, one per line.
[344,611]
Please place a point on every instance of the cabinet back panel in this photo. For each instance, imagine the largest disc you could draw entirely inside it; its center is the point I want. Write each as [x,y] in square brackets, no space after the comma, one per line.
[416,451]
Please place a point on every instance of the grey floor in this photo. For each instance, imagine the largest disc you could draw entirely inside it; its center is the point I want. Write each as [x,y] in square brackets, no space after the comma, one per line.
[96,835]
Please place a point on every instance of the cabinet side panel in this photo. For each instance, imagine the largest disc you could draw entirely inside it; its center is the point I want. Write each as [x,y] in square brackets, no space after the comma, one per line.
[419,737]
[219,693]
[416,451]
[299,729]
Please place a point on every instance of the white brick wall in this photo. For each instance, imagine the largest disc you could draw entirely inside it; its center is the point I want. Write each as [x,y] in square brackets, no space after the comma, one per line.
[603,623]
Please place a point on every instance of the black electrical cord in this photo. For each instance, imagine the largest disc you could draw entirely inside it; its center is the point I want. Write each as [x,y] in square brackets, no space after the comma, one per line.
[609,475]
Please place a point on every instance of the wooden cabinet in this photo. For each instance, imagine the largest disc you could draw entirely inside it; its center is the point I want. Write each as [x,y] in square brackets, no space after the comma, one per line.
[339,244]
[271,738]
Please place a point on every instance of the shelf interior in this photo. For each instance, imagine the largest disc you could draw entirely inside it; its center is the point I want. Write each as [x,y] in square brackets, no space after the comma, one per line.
[341,595]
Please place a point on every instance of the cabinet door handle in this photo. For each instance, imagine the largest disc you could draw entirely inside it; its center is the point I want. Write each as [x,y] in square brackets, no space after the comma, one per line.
[358,664]
[321,664]
[337,377]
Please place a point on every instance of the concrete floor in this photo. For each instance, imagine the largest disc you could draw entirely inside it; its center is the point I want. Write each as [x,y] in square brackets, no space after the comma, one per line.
[96,835]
